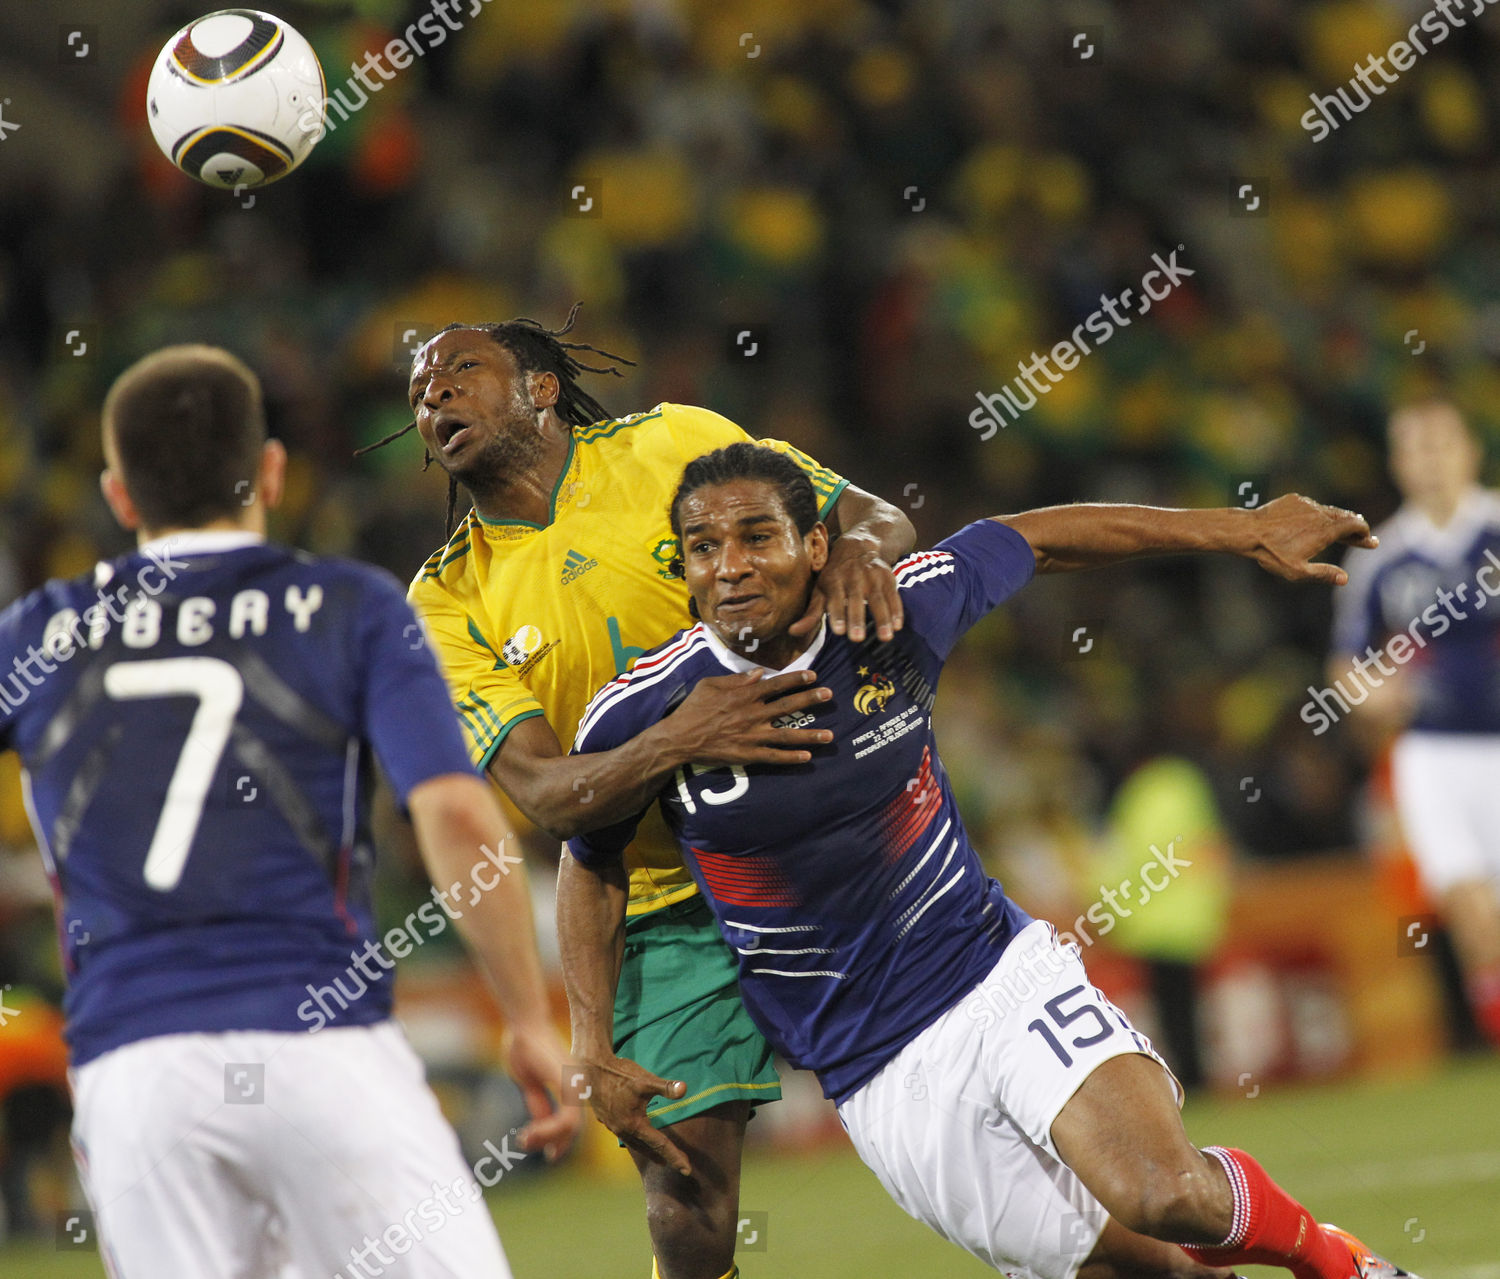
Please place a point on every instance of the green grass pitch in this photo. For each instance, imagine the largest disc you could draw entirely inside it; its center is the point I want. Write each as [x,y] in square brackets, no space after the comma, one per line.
[1413,1167]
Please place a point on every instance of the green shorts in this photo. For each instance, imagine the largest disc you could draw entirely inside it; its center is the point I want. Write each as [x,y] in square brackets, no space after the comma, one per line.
[678,1013]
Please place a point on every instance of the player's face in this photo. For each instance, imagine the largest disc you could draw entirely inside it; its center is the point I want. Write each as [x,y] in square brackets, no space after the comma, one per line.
[1432,453]
[473,407]
[748,569]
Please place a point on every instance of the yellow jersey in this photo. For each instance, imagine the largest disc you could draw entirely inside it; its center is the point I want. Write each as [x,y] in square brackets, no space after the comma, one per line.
[533,619]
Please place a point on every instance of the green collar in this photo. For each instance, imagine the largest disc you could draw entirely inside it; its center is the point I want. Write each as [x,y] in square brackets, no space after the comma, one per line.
[551,501]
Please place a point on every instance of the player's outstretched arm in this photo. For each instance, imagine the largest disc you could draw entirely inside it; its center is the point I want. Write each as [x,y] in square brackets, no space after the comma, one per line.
[869,535]
[726,719]
[455,815]
[591,935]
[1281,536]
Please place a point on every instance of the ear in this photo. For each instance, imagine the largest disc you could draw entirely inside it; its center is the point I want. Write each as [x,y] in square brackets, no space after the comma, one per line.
[816,543]
[545,389]
[270,479]
[118,501]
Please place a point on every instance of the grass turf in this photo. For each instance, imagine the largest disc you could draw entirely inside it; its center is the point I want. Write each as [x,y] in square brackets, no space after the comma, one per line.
[1413,1167]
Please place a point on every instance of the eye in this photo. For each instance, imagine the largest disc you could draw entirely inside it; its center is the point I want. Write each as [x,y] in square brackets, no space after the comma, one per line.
[701,548]
[759,537]
[468,364]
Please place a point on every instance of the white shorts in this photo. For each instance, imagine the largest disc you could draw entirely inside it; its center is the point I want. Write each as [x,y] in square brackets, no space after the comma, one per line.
[1448,796]
[253,1154]
[958,1125]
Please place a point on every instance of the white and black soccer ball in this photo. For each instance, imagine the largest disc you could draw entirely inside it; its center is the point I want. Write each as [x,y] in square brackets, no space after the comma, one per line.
[236,99]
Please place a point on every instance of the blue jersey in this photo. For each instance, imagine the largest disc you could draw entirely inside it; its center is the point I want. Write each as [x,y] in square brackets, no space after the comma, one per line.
[196,726]
[1430,583]
[847,887]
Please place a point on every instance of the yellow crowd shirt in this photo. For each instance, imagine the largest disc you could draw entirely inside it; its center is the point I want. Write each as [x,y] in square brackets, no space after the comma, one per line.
[533,619]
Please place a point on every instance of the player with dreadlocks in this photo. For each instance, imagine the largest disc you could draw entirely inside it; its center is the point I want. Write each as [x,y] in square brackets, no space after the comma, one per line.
[557,579]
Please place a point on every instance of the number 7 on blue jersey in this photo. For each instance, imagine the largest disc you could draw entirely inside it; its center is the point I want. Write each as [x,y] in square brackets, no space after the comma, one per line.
[219,691]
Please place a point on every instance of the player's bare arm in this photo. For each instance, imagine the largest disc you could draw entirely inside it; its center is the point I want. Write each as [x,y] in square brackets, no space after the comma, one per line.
[869,536]
[591,935]
[1281,536]
[723,721]
[453,816]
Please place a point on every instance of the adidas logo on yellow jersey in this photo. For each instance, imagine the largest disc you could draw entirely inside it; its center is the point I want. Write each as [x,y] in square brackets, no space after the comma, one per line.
[576,565]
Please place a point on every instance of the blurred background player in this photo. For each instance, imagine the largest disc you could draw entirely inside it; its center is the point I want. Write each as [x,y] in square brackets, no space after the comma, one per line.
[1427,581]
[1167,799]
[199,720]
[553,583]
[996,1093]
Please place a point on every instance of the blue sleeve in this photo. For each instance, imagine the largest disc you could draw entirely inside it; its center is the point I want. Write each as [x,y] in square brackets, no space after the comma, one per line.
[949,588]
[613,717]
[1356,605]
[11,650]
[407,718]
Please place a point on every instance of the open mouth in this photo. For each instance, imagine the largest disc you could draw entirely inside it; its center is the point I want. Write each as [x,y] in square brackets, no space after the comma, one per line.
[451,434]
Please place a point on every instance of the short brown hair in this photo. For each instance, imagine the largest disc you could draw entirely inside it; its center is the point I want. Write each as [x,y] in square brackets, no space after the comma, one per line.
[188,425]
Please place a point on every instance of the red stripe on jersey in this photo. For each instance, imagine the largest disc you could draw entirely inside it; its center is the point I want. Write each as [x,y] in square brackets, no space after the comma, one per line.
[745,881]
[909,815]
[644,667]
[341,892]
[919,559]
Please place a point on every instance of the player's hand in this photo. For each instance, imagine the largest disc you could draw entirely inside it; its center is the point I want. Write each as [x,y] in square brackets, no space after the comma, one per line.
[1292,529]
[853,582]
[619,1091]
[536,1060]
[730,719]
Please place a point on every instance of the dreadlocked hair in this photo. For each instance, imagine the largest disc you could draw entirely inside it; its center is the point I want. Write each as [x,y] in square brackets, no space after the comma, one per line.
[536,349]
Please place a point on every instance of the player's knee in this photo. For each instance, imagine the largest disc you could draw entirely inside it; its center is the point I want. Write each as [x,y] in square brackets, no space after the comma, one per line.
[691,1238]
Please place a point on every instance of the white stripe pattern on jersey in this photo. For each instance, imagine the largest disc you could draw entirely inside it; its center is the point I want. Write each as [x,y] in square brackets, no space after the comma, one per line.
[751,951]
[644,674]
[907,920]
[777,928]
[782,972]
[931,848]
[922,566]
[772,950]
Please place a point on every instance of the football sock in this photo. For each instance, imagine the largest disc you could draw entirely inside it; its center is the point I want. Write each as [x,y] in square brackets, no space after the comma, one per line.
[1484,998]
[734,1271]
[1270,1227]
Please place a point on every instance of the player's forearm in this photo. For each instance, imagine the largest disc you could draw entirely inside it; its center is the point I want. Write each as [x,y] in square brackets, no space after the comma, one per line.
[1090,534]
[591,937]
[568,795]
[472,854]
[872,521]
[502,933]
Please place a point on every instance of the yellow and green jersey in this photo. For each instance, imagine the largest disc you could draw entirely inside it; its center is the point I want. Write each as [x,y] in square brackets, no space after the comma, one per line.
[533,619]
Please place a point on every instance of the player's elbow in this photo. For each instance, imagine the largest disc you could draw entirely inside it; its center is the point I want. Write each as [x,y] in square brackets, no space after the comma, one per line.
[556,813]
[563,827]
[1046,562]
[871,516]
[538,789]
[902,532]
[456,811]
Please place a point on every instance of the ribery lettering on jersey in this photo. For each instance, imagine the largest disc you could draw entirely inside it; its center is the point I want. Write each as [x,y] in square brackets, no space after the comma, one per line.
[143,621]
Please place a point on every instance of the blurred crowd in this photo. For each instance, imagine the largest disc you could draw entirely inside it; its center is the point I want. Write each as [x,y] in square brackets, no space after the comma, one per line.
[899,201]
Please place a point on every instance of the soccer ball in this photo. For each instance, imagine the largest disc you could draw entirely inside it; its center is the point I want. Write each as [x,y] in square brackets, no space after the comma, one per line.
[236,99]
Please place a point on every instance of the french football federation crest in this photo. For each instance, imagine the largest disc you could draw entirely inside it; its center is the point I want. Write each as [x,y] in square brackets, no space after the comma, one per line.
[874,693]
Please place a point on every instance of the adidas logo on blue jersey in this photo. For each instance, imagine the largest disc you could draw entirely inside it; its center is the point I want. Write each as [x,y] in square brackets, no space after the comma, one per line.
[576,565]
